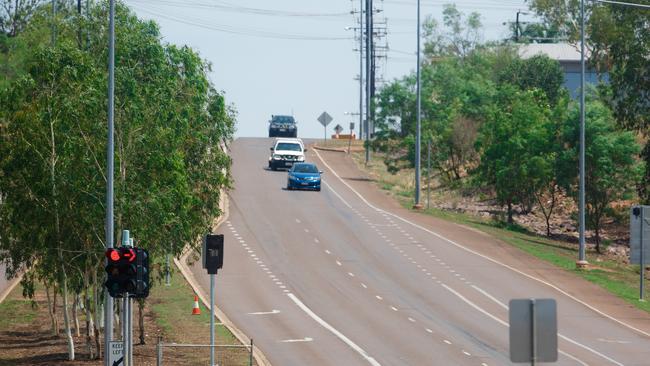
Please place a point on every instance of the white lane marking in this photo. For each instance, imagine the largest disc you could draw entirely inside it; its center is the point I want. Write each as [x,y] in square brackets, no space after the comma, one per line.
[613,341]
[350,274]
[394,308]
[481,255]
[364,285]
[429,330]
[306,339]
[339,263]
[333,330]
[507,325]
[316,240]
[327,251]
[341,198]
[411,319]
[274,311]
[379,297]
[446,341]
[467,353]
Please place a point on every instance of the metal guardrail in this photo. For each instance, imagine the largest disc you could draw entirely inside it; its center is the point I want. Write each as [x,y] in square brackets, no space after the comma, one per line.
[161,345]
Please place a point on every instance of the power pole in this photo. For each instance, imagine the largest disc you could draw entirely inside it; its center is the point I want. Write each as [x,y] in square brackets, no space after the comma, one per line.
[360,69]
[417,203]
[369,10]
[582,261]
[110,150]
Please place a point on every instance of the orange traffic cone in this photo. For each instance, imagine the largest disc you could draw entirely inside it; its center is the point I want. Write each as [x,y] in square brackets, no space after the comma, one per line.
[196,310]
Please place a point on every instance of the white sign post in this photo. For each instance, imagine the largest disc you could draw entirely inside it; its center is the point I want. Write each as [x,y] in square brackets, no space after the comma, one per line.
[116,353]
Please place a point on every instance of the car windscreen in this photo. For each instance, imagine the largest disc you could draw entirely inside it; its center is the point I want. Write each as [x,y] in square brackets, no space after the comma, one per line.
[305,168]
[288,146]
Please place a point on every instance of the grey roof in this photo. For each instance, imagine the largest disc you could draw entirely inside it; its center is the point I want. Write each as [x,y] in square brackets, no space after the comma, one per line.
[556,51]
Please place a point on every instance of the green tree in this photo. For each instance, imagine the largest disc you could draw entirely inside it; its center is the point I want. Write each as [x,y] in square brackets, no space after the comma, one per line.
[611,166]
[512,146]
[537,72]
[459,37]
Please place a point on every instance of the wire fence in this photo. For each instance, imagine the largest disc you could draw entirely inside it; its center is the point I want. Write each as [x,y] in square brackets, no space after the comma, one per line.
[199,354]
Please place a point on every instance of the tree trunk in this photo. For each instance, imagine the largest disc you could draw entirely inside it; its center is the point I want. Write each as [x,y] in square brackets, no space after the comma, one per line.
[597,230]
[141,319]
[96,290]
[510,220]
[66,317]
[50,309]
[75,315]
[89,327]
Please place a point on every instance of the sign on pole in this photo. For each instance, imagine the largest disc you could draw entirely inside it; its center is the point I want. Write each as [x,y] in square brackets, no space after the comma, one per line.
[639,228]
[116,353]
[533,330]
[325,119]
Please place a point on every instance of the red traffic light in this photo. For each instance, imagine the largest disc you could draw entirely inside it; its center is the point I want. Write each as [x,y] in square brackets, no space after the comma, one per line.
[113,255]
[129,254]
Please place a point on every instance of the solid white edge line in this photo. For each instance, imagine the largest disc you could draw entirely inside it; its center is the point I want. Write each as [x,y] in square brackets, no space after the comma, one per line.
[333,330]
[483,256]
[336,194]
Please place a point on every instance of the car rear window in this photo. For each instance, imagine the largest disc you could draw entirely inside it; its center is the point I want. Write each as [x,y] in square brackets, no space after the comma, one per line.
[305,168]
[288,146]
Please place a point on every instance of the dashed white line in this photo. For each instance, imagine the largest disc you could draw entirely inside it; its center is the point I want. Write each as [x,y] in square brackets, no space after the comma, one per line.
[350,274]
[446,341]
[379,297]
[393,308]
[429,330]
[467,353]
[364,285]
[339,263]
[411,319]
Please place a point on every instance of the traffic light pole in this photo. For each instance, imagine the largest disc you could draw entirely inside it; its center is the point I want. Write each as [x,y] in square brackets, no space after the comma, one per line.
[212,320]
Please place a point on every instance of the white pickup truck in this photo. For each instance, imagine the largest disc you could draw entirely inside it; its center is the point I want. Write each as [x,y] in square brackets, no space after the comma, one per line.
[286,152]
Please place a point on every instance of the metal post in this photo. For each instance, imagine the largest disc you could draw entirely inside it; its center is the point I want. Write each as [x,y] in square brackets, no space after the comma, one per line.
[368,55]
[533,337]
[125,330]
[517,28]
[130,302]
[428,174]
[110,150]
[360,69]
[417,129]
[250,356]
[211,320]
[582,262]
[159,352]
[641,259]
[324,135]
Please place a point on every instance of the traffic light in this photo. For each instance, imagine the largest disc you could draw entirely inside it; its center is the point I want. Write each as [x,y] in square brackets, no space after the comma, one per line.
[121,271]
[142,273]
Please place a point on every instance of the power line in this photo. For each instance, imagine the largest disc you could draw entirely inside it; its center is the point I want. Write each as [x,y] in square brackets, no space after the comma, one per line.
[241,31]
[643,6]
[242,9]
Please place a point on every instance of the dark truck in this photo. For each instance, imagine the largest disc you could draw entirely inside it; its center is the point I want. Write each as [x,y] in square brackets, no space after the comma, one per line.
[283,126]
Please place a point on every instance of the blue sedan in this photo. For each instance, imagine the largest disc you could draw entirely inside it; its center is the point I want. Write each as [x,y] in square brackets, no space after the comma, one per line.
[304,176]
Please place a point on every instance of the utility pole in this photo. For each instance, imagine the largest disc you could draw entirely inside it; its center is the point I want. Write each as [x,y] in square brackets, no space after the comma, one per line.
[369,10]
[110,150]
[360,69]
[417,204]
[582,261]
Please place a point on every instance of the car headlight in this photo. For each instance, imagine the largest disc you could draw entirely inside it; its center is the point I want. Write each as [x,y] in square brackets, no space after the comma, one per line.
[276,156]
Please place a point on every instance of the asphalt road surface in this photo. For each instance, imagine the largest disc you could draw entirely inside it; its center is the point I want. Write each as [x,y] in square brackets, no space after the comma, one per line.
[347,277]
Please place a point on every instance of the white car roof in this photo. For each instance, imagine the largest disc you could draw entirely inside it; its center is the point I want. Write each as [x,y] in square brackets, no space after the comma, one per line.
[291,140]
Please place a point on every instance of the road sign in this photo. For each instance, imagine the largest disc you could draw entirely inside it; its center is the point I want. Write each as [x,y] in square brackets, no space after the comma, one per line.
[533,330]
[116,353]
[351,126]
[338,128]
[639,227]
[325,119]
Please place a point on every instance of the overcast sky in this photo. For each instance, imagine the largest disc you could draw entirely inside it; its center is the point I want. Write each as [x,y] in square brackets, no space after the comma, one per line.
[296,56]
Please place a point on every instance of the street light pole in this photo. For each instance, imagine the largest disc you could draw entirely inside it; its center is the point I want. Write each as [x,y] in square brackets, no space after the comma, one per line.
[582,262]
[417,130]
[110,150]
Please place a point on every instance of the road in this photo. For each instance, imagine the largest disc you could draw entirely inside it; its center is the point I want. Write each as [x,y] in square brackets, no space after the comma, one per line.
[346,276]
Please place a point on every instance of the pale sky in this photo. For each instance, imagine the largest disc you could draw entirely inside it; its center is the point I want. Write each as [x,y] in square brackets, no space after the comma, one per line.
[295,56]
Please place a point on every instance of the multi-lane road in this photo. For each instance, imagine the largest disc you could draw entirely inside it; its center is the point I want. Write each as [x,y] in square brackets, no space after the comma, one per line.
[346,276]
